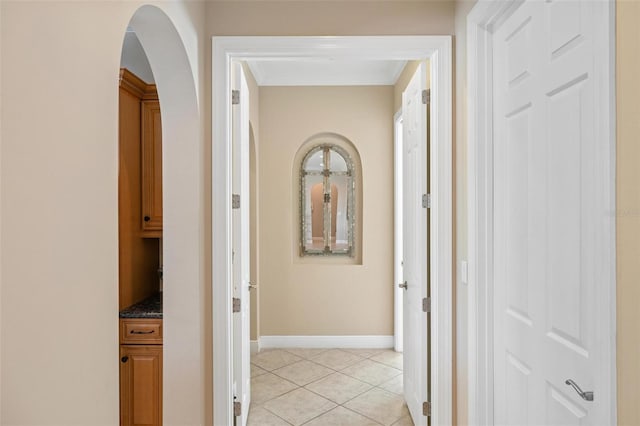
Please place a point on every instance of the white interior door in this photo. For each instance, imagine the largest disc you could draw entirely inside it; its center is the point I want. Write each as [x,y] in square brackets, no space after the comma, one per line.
[241,246]
[549,207]
[398,292]
[415,238]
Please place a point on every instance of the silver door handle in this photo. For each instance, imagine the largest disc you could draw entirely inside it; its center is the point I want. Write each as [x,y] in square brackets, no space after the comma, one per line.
[587,396]
[403,285]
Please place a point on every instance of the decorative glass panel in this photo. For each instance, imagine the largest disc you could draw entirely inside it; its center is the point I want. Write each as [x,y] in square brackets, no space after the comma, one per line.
[338,163]
[315,163]
[327,202]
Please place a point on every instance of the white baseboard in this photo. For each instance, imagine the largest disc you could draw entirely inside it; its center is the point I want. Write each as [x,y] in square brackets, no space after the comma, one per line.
[352,342]
[255,346]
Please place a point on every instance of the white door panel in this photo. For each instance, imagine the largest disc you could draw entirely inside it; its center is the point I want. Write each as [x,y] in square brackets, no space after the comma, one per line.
[415,239]
[241,248]
[398,293]
[546,219]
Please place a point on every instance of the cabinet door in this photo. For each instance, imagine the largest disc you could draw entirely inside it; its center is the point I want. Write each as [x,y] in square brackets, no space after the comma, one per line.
[141,385]
[151,169]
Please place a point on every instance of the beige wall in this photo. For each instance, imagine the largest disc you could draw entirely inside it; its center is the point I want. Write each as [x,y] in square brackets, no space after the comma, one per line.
[403,80]
[269,18]
[59,265]
[292,18]
[63,219]
[628,211]
[320,297]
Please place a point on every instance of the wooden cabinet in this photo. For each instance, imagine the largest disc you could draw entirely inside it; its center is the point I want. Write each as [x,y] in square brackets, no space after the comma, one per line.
[151,169]
[141,385]
[139,258]
[139,197]
[140,372]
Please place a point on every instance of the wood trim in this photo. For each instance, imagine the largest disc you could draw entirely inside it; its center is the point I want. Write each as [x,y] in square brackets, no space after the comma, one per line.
[132,83]
[150,93]
[136,86]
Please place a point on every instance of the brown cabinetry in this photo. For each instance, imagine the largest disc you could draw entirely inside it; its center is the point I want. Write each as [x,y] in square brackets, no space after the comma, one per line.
[139,198]
[151,169]
[139,257]
[140,372]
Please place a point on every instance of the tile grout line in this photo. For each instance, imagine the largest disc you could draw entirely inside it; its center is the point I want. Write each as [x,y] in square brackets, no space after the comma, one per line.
[333,371]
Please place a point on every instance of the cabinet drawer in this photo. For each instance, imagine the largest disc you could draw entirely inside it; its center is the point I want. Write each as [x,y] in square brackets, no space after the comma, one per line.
[140,331]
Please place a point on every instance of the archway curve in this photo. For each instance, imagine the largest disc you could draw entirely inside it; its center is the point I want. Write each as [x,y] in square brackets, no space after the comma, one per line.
[184,368]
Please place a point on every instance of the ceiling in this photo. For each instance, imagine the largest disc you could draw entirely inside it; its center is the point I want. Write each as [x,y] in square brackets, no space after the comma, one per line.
[326,72]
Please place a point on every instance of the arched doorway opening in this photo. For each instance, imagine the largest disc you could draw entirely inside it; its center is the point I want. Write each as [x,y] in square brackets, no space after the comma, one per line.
[181,240]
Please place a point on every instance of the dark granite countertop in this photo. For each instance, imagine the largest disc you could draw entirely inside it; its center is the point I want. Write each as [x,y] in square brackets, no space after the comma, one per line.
[150,307]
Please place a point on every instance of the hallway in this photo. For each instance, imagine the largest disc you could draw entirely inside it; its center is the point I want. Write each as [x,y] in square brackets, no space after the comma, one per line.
[327,387]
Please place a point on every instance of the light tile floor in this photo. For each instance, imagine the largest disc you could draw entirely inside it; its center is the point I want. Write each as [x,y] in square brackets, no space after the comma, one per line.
[327,387]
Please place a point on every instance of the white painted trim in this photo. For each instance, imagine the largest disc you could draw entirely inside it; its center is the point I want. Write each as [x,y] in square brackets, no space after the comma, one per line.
[480,23]
[255,346]
[355,342]
[316,72]
[441,243]
[438,50]
[606,102]
[222,241]
[480,231]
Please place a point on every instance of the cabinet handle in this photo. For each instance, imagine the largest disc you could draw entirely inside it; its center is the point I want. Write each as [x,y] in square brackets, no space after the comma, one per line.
[142,332]
[124,359]
[147,218]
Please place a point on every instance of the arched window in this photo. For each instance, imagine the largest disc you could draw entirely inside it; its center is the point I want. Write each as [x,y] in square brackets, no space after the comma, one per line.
[327,196]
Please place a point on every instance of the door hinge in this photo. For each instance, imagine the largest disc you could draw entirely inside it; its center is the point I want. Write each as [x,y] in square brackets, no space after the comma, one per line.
[426,201]
[426,304]
[237,409]
[235,201]
[236,304]
[235,97]
[426,96]
[426,408]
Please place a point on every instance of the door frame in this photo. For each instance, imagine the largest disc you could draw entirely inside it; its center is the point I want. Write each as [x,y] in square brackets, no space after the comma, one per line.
[438,49]
[481,21]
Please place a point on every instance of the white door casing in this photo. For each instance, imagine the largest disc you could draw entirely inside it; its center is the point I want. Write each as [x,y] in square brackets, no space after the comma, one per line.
[415,245]
[541,222]
[241,246]
[438,50]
